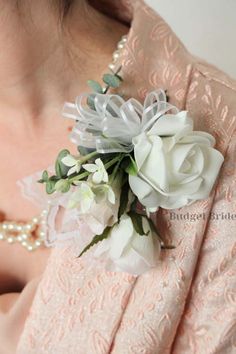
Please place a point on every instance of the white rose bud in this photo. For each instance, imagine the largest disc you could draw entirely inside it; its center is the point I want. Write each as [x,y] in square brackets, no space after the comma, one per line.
[125,250]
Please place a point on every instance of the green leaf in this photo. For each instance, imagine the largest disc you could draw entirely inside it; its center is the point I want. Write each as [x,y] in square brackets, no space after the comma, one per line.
[45,175]
[111,80]
[95,86]
[137,222]
[97,239]
[50,186]
[124,198]
[62,186]
[60,169]
[132,168]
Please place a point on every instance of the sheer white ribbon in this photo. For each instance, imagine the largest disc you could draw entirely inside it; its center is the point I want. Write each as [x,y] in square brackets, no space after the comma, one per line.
[114,122]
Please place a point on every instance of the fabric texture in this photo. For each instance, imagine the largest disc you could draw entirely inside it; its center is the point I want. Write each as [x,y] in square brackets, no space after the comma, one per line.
[187,304]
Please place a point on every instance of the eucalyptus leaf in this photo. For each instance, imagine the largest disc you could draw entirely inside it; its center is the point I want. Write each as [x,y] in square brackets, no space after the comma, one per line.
[60,169]
[97,239]
[95,86]
[50,186]
[111,80]
[62,186]
[45,175]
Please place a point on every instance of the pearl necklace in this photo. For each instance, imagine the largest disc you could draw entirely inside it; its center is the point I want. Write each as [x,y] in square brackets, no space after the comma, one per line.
[31,235]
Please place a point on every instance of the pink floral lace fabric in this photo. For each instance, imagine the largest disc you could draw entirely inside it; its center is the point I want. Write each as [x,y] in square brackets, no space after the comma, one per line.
[186,305]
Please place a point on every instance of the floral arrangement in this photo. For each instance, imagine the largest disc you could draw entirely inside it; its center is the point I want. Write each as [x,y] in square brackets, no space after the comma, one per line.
[133,158]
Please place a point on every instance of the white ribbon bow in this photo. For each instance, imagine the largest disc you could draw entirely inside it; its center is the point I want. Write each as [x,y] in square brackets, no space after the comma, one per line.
[114,122]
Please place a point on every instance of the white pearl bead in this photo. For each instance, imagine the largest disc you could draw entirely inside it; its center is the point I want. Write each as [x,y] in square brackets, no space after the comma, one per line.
[10,226]
[19,228]
[38,243]
[41,234]
[2,236]
[24,236]
[29,227]
[10,239]
[4,226]
[116,55]
[19,238]
[112,66]
[30,248]
[120,45]
[35,220]
[24,244]
[44,212]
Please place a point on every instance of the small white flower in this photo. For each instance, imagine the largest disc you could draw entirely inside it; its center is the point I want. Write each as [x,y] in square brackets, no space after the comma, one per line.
[103,192]
[98,170]
[71,161]
[83,198]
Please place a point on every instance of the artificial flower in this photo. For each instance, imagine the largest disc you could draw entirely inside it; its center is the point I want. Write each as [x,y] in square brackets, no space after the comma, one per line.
[104,192]
[83,198]
[98,170]
[73,163]
[176,165]
[125,250]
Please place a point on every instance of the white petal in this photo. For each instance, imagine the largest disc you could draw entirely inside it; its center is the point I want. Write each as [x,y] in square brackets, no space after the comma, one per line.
[86,204]
[144,246]
[171,124]
[72,170]
[111,196]
[90,167]
[97,177]
[69,160]
[142,148]
[99,163]
[105,176]
[102,247]
[145,193]
[120,237]
[213,161]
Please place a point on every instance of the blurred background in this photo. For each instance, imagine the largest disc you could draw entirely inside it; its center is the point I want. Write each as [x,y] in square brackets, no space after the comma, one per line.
[206,27]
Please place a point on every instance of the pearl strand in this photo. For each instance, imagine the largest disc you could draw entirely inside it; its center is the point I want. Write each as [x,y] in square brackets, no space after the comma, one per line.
[116,53]
[30,235]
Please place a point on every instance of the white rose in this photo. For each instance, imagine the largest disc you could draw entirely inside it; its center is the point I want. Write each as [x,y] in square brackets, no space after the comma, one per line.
[176,165]
[125,250]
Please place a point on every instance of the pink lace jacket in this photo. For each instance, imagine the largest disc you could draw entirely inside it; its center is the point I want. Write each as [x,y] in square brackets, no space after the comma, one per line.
[187,304]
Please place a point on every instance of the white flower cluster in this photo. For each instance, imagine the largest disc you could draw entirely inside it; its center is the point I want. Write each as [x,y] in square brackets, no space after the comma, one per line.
[169,165]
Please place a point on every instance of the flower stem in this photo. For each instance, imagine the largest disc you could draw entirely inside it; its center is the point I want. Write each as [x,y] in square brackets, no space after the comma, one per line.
[112,162]
[79,177]
[89,156]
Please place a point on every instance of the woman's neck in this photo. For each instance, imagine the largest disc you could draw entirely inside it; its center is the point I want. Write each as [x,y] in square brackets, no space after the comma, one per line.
[44,62]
